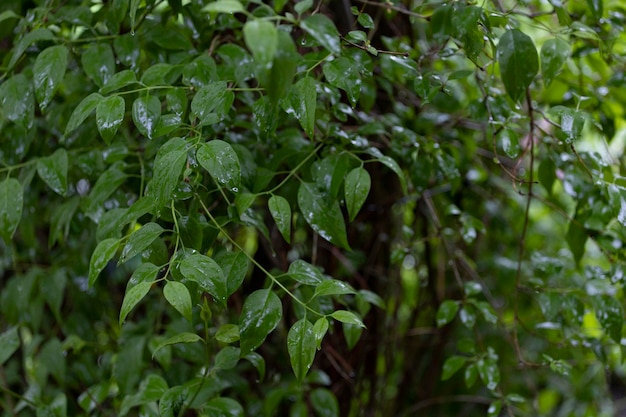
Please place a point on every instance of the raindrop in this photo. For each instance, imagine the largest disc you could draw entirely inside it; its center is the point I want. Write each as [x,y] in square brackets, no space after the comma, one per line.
[235,190]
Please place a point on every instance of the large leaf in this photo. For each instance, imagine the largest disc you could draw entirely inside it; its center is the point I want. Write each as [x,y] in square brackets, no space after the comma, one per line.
[221,161]
[281,213]
[207,273]
[178,296]
[260,315]
[140,240]
[519,62]
[109,116]
[168,166]
[146,114]
[48,72]
[301,345]
[11,204]
[324,31]
[357,187]
[53,170]
[323,216]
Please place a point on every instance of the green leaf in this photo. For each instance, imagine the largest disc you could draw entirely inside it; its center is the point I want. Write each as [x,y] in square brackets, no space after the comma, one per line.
[470,375]
[227,333]
[227,358]
[357,187]
[207,100]
[98,62]
[489,372]
[333,287]
[344,73]
[139,240]
[104,252]
[519,62]
[349,317]
[185,337]
[283,69]
[156,74]
[82,111]
[610,314]
[260,315]
[322,29]
[301,345]
[235,267]
[107,183]
[494,408]
[168,166]
[178,296]
[305,273]
[11,205]
[207,273]
[109,116]
[319,330]
[39,34]
[145,272]
[48,73]
[119,80]
[222,407]
[324,403]
[446,312]
[281,213]
[547,174]
[221,161]
[571,121]
[391,164]
[132,297]
[576,239]
[16,97]
[261,37]
[509,141]
[452,365]
[146,114]
[554,53]
[224,6]
[9,343]
[53,170]
[323,216]
[303,101]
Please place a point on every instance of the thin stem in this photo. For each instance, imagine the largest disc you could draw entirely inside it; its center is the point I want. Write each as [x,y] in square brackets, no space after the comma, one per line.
[293,171]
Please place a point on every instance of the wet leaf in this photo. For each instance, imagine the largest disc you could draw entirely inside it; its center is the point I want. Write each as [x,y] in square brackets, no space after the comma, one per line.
[224,6]
[281,213]
[610,314]
[222,163]
[305,273]
[109,116]
[348,317]
[344,73]
[18,103]
[53,170]
[223,407]
[99,63]
[48,73]
[323,30]
[9,343]
[208,274]
[489,372]
[82,111]
[104,252]
[227,333]
[452,365]
[132,297]
[446,312]
[261,37]
[146,272]
[260,315]
[168,166]
[38,34]
[324,216]
[11,204]
[185,337]
[319,331]
[178,296]
[333,287]
[146,114]
[303,100]
[519,62]
[235,267]
[207,101]
[324,402]
[554,53]
[139,241]
[119,80]
[301,345]
[356,188]
[227,358]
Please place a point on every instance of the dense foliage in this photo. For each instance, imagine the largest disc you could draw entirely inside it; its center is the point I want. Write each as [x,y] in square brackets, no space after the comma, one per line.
[340,208]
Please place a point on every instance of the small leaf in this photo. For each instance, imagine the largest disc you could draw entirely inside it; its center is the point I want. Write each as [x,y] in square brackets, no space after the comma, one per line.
[184,337]
[9,343]
[104,252]
[324,31]
[519,62]
[39,34]
[301,345]
[235,267]
[11,204]
[344,73]
[139,240]
[260,315]
[119,80]
[258,362]
[261,37]
[319,330]
[222,407]
[348,317]
[227,333]
[132,297]
[357,187]
[390,163]
[18,103]
[452,365]
[610,314]
[82,111]
[227,358]
[323,216]
[146,114]
[489,372]
[207,100]
[145,272]
[281,213]
[305,273]
[554,53]
[576,238]
[303,100]
[333,287]
[48,73]
[178,296]
[53,170]
[168,166]
[99,63]
[207,273]
[324,402]
[109,116]
[224,6]
[446,312]
[221,161]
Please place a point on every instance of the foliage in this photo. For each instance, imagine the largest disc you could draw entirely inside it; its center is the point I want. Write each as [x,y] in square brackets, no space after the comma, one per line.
[228,208]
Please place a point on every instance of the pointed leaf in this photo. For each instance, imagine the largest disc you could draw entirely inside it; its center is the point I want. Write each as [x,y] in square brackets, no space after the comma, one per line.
[222,407]
[518,61]
[319,330]
[349,317]
[18,103]
[207,273]
[305,273]
[11,204]
[227,333]
[452,365]
[281,213]
[224,6]
[82,111]
[99,63]
[324,402]
[227,358]
[132,297]
[333,287]
[260,315]
[145,272]
[185,337]
[119,80]
[139,240]
[39,34]
[323,216]
[303,100]
[109,116]
[235,267]
[221,161]
[322,29]
[208,100]
[104,252]
[9,343]
[301,345]
[53,170]
[446,312]
[610,314]
[554,53]
[261,37]
[146,114]
[178,296]
[390,163]
[48,72]
[344,73]
[168,166]
[357,187]
[489,372]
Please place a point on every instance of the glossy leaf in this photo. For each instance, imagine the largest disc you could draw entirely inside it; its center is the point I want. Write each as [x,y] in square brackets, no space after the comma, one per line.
[323,216]
[519,62]
[333,287]
[227,333]
[280,77]
[319,331]
[11,205]
[178,296]
[139,240]
[9,343]
[146,272]
[107,183]
[224,6]
[207,101]
[223,407]
[185,337]
[554,53]
[489,372]
[132,297]
[324,403]
[260,315]
[38,34]
[303,100]
[305,273]
[446,312]
[261,37]
[104,252]
[109,116]
[357,187]
[301,345]
[119,80]
[452,365]
[48,73]
[344,73]
[227,358]
[610,314]
[348,317]
[235,267]
[168,166]
[208,274]
[391,164]
[18,103]
[99,63]
[281,213]
[221,161]
[146,114]
[53,170]
[82,111]
[322,29]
